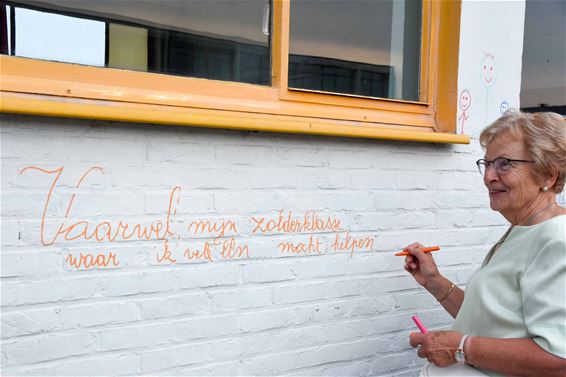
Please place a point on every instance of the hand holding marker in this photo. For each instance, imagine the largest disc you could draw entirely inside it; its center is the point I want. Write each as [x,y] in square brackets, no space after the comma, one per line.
[424,250]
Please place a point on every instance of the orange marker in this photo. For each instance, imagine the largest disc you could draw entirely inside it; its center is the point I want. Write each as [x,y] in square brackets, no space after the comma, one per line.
[424,250]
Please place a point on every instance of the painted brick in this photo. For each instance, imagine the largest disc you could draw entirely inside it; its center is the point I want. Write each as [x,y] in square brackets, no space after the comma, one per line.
[30,322]
[102,365]
[349,200]
[268,272]
[136,336]
[206,327]
[251,155]
[270,179]
[47,347]
[18,264]
[97,314]
[392,180]
[348,159]
[315,157]
[174,306]
[206,275]
[323,179]
[136,283]
[36,292]
[174,357]
[186,153]
[230,368]
[157,203]
[394,220]
[242,298]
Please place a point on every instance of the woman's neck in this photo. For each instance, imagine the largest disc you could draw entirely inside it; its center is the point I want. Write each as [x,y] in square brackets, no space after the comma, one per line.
[540,210]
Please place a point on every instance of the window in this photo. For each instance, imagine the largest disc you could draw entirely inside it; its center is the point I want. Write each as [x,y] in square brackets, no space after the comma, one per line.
[543,82]
[196,38]
[363,47]
[248,64]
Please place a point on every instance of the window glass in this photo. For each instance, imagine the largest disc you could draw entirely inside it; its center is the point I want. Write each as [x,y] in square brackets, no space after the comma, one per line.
[57,37]
[543,82]
[360,47]
[213,39]
[5,32]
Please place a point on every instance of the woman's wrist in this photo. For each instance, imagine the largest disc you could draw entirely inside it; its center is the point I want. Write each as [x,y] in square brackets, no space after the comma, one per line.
[440,287]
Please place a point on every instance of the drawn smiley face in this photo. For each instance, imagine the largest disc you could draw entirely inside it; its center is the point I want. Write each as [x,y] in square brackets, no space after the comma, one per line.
[465,100]
[504,107]
[488,71]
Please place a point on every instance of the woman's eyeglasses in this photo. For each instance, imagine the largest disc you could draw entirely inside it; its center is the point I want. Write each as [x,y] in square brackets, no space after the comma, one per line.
[500,164]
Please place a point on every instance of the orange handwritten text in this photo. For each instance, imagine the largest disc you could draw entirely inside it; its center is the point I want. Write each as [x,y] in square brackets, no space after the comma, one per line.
[166,256]
[312,246]
[89,260]
[352,244]
[286,223]
[204,254]
[104,230]
[216,228]
[231,249]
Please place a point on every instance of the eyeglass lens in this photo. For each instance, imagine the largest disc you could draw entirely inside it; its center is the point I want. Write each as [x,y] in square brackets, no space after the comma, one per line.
[499,165]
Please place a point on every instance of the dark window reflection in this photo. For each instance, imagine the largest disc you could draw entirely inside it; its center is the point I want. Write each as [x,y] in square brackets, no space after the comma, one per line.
[338,76]
[197,56]
[543,75]
[361,47]
[212,39]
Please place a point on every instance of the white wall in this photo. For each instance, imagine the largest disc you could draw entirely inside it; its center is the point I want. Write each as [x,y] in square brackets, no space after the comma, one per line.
[269,312]
[491,35]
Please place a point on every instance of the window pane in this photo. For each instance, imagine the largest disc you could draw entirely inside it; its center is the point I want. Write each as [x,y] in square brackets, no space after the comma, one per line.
[361,47]
[543,81]
[213,39]
[55,37]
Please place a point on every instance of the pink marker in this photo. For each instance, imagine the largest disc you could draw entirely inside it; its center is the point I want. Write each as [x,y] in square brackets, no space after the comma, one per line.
[419,324]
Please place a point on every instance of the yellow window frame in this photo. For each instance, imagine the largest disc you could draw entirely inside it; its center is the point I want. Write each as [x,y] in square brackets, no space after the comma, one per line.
[47,88]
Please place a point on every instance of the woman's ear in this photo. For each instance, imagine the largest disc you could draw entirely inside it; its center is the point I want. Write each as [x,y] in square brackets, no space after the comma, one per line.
[550,181]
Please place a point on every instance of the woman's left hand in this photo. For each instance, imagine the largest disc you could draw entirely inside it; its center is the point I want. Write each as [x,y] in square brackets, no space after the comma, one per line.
[438,347]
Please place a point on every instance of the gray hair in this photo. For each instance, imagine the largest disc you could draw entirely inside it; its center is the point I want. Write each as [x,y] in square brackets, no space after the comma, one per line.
[544,135]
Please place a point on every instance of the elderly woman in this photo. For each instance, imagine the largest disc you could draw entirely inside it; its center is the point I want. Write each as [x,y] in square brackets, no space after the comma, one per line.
[511,320]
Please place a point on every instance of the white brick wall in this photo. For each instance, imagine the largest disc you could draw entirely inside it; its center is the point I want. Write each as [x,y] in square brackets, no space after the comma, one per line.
[326,312]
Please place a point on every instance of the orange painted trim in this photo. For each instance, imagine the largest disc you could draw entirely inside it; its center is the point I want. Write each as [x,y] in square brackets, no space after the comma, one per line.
[159,114]
[280,44]
[426,21]
[22,75]
[445,67]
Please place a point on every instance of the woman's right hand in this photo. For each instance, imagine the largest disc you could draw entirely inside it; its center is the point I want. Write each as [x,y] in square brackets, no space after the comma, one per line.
[421,265]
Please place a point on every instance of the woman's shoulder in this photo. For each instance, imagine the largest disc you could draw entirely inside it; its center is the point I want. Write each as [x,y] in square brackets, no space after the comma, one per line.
[554,227]
[550,241]
[543,241]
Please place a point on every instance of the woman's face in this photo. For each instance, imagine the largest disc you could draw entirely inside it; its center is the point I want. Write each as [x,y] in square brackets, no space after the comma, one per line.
[513,192]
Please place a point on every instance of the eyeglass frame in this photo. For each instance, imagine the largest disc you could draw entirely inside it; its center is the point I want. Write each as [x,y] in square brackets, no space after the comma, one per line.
[488,163]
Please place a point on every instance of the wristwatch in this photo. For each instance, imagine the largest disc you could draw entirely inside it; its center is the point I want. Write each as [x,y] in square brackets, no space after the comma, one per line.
[459,355]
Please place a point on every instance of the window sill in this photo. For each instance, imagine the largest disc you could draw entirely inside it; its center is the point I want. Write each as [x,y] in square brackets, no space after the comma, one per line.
[56,106]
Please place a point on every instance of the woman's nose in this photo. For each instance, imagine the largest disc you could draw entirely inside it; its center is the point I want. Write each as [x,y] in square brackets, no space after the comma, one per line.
[490,175]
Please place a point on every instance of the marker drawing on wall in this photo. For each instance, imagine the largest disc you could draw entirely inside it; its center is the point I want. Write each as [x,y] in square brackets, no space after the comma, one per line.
[464,103]
[504,107]
[488,77]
